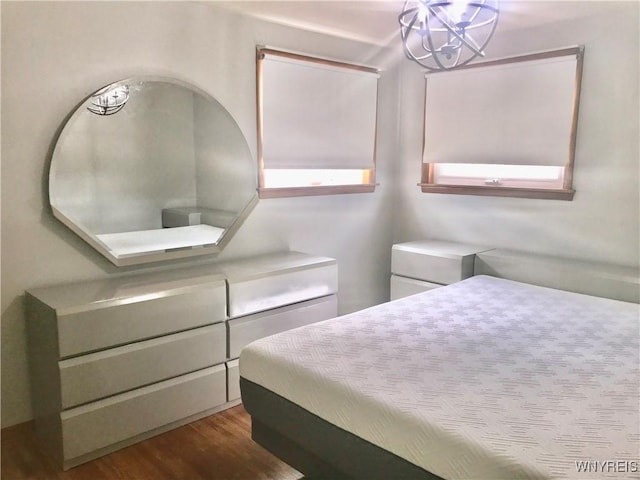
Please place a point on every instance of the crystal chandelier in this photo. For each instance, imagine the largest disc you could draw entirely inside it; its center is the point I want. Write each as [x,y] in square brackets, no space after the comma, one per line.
[442,35]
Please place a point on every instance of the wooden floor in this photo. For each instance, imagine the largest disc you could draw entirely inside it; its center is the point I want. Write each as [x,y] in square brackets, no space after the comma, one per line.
[218,447]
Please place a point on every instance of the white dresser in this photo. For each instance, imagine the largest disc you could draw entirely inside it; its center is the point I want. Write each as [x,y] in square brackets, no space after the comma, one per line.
[116,361]
[426,264]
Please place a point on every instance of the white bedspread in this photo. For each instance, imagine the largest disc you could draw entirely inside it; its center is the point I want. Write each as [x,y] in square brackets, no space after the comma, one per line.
[485,378]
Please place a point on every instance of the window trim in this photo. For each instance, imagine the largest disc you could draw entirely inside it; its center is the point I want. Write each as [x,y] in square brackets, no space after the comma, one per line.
[368,175]
[493,191]
[280,192]
[428,183]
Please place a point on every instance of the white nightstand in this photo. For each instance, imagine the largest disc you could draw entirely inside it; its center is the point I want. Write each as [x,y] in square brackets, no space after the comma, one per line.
[426,264]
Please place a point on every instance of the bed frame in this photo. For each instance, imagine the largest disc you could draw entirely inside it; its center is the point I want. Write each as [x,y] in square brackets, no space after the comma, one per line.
[321,450]
[314,446]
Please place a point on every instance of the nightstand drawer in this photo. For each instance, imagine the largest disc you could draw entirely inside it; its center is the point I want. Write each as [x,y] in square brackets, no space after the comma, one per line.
[434,261]
[245,330]
[142,317]
[97,425]
[97,375]
[403,287]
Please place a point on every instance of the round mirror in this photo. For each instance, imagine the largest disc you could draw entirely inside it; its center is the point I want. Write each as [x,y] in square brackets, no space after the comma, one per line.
[150,169]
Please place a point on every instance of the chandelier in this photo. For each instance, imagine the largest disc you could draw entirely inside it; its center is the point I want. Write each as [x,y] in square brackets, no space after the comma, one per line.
[442,35]
[109,100]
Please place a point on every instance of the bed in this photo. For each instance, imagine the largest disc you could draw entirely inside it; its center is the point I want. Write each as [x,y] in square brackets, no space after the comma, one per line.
[486,378]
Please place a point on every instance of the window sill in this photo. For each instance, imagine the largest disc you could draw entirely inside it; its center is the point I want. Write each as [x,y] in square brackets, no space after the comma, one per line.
[314,190]
[549,194]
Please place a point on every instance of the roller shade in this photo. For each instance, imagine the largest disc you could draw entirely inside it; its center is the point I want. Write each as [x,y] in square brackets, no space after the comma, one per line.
[515,113]
[316,114]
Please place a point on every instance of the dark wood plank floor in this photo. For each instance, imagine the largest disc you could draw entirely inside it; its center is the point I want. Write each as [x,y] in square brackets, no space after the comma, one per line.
[218,447]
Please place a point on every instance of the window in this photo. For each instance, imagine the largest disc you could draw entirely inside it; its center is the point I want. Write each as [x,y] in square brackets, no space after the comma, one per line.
[505,127]
[316,125]
[514,176]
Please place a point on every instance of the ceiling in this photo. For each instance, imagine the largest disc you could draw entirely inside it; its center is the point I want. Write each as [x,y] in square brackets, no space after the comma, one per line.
[376,21]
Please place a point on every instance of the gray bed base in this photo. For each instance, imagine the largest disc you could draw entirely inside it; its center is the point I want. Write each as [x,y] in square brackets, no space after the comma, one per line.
[314,446]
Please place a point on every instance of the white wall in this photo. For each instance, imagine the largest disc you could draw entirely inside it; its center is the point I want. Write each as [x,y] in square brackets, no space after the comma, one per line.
[601,223]
[56,53]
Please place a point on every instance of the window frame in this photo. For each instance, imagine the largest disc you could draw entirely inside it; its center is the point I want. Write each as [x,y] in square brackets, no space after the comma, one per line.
[368,184]
[428,183]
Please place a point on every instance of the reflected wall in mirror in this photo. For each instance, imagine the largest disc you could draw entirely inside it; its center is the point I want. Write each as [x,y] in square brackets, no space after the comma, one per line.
[150,169]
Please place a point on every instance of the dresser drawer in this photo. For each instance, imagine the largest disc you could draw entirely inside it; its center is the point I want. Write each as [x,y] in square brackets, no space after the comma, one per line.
[97,375]
[403,287]
[233,380]
[263,291]
[140,318]
[245,330]
[106,422]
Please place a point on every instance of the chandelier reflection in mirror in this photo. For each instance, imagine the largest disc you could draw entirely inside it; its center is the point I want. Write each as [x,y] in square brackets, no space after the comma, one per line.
[442,35]
[109,100]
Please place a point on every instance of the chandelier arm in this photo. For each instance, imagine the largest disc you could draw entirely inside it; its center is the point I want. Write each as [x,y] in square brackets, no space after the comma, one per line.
[476,12]
[105,111]
[436,58]
[404,33]
[493,29]
[405,29]
[479,6]
[423,57]
[99,103]
[407,49]
[412,11]
[433,51]
[420,57]
[477,48]
[456,34]
[471,58]
[458,55]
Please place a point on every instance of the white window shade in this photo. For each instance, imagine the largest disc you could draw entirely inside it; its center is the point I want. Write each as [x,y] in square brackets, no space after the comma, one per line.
[520,113]
[316,114]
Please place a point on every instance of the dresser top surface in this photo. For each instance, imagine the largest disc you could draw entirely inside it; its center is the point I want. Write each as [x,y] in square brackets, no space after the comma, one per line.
[167,281]
[439,248]
[272,264]
[126,287]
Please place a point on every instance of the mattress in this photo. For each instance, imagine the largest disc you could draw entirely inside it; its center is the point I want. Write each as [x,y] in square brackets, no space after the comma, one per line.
[485,378]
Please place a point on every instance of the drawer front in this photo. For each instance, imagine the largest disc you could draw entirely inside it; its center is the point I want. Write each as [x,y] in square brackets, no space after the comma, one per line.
[431,268]
[103,423]
[245,330]
[97,375]
[403,287]
[233,380]
[113,325]
[272,291]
